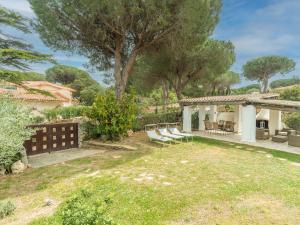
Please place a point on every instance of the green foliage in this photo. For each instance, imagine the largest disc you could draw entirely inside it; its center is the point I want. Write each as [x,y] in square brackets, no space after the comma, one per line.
[292,94]
[263,68]
[113,33]
[86,88]
[65,112]
[293,120]
[13,131]
[245,90]
[6,208]
[111,117]
[285,82]
[152,118]
[13,51]
[83,208]
[17,76]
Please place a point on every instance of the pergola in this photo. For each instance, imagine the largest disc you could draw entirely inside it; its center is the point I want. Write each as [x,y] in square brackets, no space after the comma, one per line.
[245,111]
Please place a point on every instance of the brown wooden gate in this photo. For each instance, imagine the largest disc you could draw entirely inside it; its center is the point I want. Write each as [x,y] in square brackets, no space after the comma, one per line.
[52,137]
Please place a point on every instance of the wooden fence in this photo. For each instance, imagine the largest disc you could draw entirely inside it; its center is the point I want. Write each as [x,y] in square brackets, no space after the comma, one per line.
[52,137]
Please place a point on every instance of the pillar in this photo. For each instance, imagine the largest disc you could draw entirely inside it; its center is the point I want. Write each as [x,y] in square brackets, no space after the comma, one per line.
[248,123]
[275,121]
[213,112]
[202,113]
[238,119]
[187,119]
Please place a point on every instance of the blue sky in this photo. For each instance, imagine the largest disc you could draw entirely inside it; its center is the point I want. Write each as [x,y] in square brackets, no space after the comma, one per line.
[256,28]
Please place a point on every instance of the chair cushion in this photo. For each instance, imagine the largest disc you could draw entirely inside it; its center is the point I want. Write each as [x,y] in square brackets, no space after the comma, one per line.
[283,133]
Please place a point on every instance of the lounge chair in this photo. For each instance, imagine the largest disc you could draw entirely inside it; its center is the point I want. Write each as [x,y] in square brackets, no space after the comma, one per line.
[164,132]
[262,134]
[153,136]
[175,131]
[294,140]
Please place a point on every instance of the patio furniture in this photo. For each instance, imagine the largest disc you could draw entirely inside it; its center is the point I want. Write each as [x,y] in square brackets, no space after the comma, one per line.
[153,136]
[284,131]
[294,140]
[229,126]
[262,134]
[221,124]
[208,125]
[280,138]
[164,132]
[175,131]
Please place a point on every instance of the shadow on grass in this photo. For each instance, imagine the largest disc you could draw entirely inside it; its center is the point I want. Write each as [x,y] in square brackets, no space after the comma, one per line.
[244,147]
[38,179]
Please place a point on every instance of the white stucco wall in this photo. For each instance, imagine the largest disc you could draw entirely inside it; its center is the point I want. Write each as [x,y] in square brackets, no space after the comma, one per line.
[248,123]
[187,119]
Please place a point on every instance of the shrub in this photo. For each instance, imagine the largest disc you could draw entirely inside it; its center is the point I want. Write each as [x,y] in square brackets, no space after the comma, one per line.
[292,94]
[293,120]
[170,117]
[83,208]
[6,208]
[13,131]
[65,112]
[110,117]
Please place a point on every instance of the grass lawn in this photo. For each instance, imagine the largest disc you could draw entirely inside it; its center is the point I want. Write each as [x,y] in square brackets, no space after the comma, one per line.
[204,182]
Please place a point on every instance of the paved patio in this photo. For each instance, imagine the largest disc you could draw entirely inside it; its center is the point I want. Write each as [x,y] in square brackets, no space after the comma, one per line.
[47,159]
[235,138]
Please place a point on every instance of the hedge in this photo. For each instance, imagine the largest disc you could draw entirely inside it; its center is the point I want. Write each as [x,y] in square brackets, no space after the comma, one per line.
[65,112]
[293,120]
[170,117]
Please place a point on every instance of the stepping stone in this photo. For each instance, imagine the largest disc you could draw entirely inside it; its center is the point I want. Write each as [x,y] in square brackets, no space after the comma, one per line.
[239,146]
[149,178]
[167,183]
[184,161]
[138,179]
[250,149]
[117,156]
[296,164]
[269,156]
[282,159]
[263,152]
[93,174]
[247,175]
[117,172]
[162,176]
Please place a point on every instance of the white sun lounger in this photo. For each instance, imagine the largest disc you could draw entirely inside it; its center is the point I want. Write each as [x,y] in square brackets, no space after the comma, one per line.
[164,132]
[175,131]
[154,136]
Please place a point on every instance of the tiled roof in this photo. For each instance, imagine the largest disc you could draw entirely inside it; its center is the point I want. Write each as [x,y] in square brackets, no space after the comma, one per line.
[45,83]
[227,99]
[276,103]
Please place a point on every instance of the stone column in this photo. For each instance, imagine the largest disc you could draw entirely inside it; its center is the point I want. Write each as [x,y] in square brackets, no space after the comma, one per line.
[213,113]
[238,119]
[187,119]
[275,121]
[202,113]
[248,123]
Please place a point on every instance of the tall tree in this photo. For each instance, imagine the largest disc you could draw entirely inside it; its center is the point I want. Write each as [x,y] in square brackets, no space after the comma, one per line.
[182,66]
[86,88]
[13,51]
[263,68]
[112,33]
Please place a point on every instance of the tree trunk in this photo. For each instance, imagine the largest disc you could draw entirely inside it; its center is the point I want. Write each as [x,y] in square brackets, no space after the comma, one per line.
[122,73]
[265,84]
[165,94]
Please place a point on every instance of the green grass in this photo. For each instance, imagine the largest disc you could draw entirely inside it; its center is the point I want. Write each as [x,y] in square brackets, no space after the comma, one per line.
[204,182]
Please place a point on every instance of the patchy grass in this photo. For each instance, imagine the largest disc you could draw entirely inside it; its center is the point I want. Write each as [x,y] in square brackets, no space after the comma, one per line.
[204,182]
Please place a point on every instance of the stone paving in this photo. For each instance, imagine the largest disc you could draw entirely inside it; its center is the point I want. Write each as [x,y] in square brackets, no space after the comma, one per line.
[235,138]
[47,159]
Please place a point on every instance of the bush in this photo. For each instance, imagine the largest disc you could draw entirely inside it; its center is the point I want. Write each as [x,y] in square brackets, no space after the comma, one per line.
[110,117]
[13,132]
[82,208]
[65,112]
[6,208]
[292,94]
[293,120]
[153,118]
[285,82]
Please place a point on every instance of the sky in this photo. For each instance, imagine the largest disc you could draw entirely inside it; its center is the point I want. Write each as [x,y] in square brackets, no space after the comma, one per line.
[255,27]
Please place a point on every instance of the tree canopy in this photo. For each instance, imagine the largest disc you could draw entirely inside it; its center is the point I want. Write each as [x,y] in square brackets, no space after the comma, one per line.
[13,51]
[17,76]
[112,33]
[86,88]
[285,82]
[263,68]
